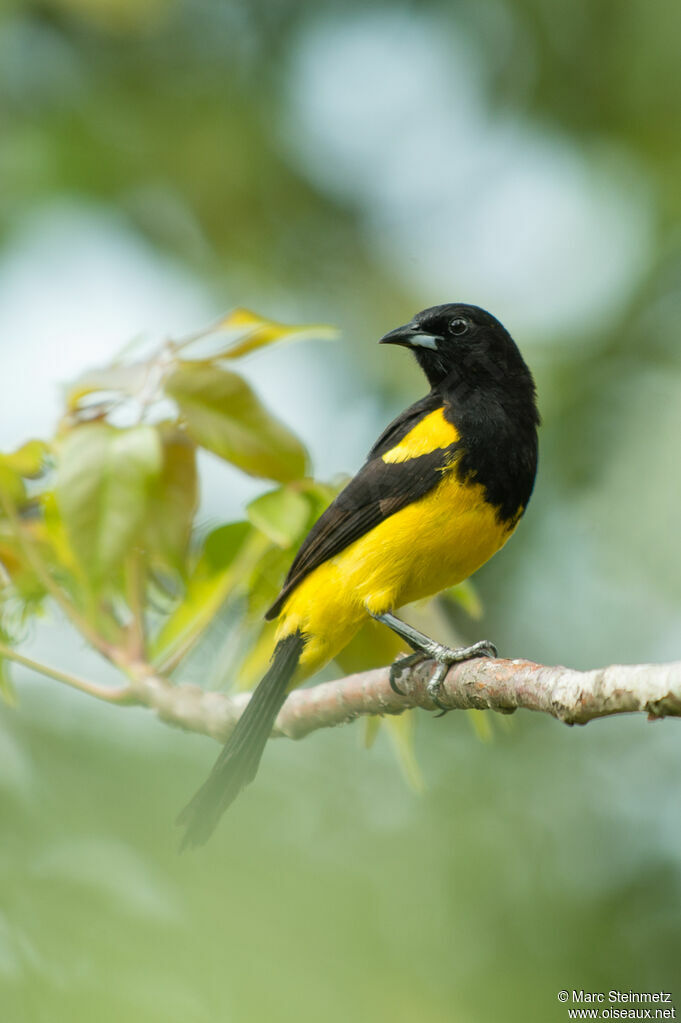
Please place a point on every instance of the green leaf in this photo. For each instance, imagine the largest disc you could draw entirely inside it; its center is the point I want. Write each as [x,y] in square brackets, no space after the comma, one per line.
[224,415]
[373,646]
[18,579]
[12,488]
[466,596]
[173,501]
[28,460]
[265,580]
[319,495]
[11,558]
[104,481]
[481,722]
[281,515]
[401,731]
[254,664]
[55,533]
[228,555]
[372,727]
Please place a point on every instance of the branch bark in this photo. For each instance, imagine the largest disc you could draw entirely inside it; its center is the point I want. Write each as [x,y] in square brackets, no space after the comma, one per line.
[573,697]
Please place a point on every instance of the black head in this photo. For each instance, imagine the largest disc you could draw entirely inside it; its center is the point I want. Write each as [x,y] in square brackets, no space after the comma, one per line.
[458,344]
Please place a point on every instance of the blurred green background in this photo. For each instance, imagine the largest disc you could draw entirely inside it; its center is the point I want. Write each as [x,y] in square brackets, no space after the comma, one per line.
[162,160]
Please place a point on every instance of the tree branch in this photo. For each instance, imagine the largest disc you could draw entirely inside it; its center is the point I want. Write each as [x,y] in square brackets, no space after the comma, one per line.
[573,697]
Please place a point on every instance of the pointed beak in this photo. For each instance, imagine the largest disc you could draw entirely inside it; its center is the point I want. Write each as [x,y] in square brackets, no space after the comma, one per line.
[410,335]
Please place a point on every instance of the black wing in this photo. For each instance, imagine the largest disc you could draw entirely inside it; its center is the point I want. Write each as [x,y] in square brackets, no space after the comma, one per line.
[378,490]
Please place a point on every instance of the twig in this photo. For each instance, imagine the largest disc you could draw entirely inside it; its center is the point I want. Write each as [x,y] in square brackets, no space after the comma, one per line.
[123,694]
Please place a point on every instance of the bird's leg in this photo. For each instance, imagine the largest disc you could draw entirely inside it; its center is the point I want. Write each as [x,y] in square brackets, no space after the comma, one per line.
[426,648]
[413,638]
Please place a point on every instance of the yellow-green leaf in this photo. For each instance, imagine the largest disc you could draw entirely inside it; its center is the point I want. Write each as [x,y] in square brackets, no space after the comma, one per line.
[280,514]
[401,730]
[467,597]
[55,532]
[266,578]
[15,570]
[104,480]
[372,727]
[228,555]
[253,331]
[11,559]
[481,722]
[12,489]
[372,647]
[225,416]
[173,500]
[254,664]
[28,460]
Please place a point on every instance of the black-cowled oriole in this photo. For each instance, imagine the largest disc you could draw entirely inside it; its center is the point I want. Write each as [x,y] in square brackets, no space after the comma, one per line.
[441,491]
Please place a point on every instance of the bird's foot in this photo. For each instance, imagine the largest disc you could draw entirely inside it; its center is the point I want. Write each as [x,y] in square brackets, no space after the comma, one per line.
[401,664]
[446,656]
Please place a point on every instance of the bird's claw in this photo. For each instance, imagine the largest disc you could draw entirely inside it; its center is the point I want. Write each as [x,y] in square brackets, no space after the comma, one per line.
[484,648]
[435,684]
[400,665]
[445,657]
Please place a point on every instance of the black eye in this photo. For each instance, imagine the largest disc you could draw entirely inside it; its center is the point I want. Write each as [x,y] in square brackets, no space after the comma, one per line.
[458,326]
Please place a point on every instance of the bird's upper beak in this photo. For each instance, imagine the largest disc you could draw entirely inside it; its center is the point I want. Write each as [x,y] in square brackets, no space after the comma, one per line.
[411,335]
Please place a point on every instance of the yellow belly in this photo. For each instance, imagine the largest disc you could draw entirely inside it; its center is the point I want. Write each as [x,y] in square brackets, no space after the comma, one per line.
[426,547]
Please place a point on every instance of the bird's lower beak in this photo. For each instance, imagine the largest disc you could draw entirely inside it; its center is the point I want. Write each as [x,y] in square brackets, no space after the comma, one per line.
[409,336]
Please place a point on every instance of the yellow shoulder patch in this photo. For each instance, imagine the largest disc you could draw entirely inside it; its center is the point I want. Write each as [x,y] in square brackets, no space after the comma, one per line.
[429,434]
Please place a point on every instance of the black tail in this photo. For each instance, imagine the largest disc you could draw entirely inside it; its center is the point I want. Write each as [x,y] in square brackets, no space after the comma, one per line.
[238,762]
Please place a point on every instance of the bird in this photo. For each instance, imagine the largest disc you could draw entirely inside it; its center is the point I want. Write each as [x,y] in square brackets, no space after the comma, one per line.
[440,492]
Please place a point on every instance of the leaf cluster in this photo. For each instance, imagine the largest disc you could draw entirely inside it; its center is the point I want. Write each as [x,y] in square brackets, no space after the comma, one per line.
[101,519]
